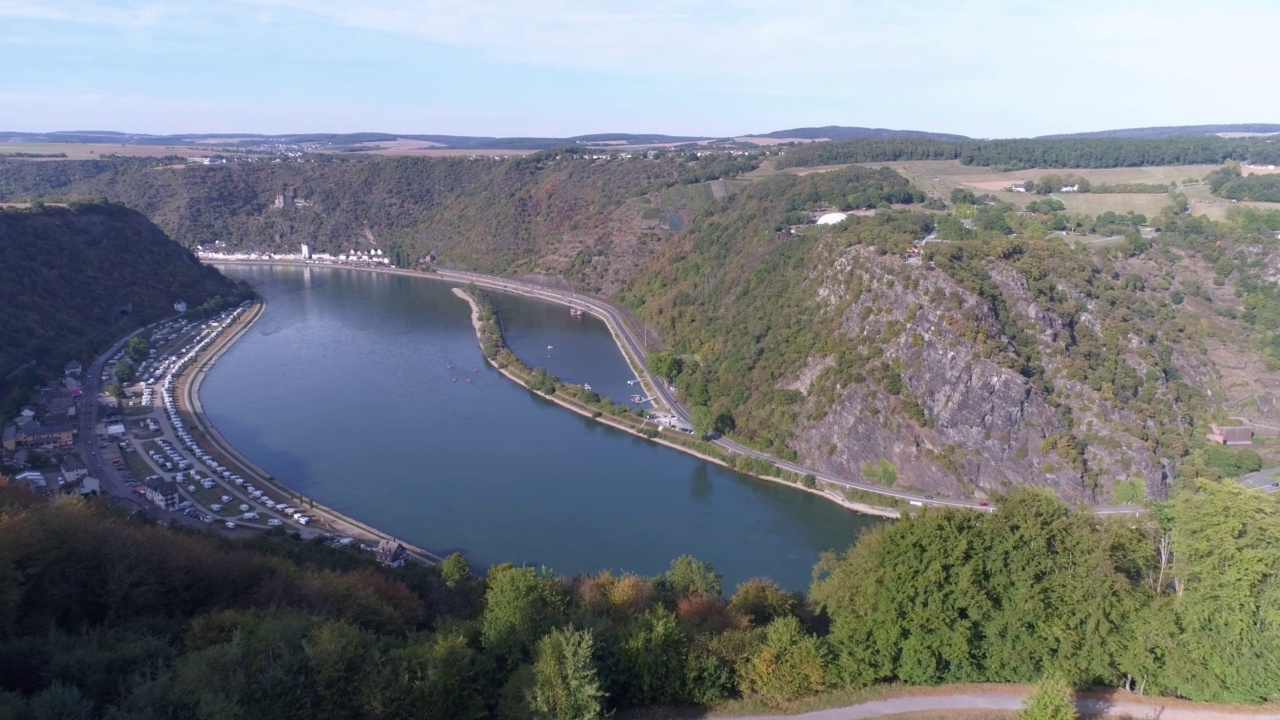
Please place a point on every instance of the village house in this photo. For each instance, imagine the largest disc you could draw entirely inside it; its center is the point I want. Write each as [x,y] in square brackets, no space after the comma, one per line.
[1230,435]
[163,493]
[35,435]
[73,368]
[73,469]
[89,485]
[390,552]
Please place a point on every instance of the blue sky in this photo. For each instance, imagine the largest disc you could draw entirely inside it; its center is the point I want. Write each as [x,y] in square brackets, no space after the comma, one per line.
[986,68]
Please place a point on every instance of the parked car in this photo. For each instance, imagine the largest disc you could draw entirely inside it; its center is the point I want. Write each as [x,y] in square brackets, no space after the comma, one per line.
[230,525]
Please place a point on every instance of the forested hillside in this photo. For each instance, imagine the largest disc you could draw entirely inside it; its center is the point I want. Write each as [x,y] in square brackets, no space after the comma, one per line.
[107,616]
[993,356]
[73,279]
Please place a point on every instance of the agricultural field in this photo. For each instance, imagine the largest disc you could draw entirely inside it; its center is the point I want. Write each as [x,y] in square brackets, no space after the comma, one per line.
[940,177]
[93,151]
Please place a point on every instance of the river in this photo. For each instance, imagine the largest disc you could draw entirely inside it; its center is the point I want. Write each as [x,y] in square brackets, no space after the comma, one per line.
[343,389]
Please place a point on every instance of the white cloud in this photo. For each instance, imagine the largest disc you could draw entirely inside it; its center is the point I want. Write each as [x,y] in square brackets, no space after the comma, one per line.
[129,15]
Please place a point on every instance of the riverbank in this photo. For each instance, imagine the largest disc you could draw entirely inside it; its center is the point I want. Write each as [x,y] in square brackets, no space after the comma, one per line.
[521,375]
[189,405]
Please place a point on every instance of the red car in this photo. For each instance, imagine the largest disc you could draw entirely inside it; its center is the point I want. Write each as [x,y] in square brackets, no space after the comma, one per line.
[983,505]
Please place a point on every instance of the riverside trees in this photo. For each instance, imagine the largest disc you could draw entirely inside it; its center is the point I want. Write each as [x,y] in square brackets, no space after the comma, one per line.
[118,618]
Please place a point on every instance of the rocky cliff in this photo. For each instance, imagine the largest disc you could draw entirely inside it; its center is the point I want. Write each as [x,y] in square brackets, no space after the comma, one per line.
[937,398]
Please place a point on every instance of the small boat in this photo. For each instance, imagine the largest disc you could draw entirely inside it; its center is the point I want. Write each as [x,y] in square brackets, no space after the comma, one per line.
[455,379]
[551,347]
[575,312]
[586,386]
[468,379]
[449,366]
[474,370]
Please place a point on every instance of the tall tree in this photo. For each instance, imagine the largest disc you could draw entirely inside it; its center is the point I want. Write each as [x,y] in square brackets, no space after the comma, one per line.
[566,686]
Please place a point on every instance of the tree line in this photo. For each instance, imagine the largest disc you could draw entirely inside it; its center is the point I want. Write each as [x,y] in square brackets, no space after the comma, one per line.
[1038,153]
[107,616]
[1228,182]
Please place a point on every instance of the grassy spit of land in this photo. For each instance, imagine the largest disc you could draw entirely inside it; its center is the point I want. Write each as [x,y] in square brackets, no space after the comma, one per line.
[581,401]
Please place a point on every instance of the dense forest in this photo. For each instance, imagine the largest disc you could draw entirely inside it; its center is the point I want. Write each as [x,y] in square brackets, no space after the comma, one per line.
[1061,153]
[74,279]
[108,616]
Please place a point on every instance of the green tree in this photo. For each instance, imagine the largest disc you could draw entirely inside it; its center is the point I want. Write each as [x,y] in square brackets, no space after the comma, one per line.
[565,682]
[431,677]
[701,419]
[664,365]
[138,348]
[521,605]
[761,601]
[688,575]
[789,665]
[60,702]
[1225,545]
[342,657]
[455,569]
[1051,700]
[652,655]
[124,371]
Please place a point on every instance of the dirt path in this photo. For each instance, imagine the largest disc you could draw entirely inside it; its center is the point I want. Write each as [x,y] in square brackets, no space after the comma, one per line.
[1121,706]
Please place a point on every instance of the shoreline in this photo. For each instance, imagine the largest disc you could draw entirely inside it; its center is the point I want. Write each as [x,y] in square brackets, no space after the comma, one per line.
[829,495]
[189,403]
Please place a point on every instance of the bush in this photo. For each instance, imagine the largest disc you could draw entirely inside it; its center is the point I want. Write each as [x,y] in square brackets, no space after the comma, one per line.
[1051,700]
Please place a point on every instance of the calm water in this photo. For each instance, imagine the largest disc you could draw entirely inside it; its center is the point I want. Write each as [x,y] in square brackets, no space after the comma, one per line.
[343,390]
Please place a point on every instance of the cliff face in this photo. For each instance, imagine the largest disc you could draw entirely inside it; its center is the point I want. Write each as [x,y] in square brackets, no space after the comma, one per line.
[939,400]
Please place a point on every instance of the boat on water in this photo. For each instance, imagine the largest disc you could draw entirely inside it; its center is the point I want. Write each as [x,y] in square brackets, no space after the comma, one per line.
[551,347]
[586,386]
[575,312]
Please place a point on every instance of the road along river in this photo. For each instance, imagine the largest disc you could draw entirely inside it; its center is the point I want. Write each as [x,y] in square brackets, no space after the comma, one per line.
[367,391]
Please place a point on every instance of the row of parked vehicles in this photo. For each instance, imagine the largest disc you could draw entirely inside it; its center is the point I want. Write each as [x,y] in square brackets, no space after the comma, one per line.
[174,368]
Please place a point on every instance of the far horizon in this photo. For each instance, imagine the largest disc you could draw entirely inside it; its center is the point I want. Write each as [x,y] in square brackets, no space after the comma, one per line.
[1236,128]
[991,69]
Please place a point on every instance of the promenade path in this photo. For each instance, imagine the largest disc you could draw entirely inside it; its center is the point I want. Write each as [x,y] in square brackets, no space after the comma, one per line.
[1117,705]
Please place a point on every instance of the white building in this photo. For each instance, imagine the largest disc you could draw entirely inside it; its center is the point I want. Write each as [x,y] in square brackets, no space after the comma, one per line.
[306,251]
[180,306]
[834,218]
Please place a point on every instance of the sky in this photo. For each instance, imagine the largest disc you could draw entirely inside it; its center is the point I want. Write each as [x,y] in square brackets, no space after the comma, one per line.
[984,68]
